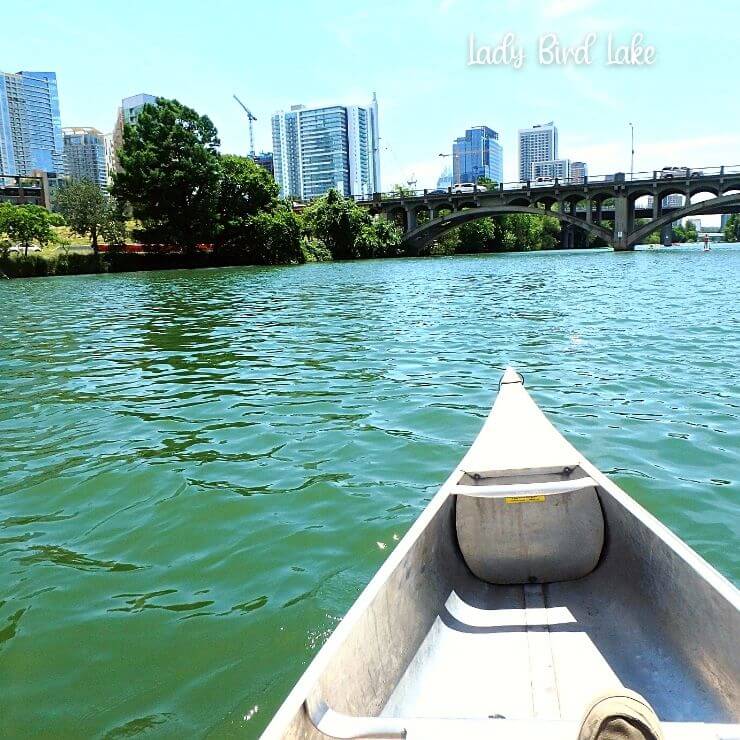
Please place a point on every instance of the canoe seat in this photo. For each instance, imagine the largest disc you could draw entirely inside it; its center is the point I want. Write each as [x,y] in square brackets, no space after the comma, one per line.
[529,526]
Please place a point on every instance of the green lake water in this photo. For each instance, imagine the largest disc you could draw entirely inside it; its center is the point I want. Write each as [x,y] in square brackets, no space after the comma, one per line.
[200,471]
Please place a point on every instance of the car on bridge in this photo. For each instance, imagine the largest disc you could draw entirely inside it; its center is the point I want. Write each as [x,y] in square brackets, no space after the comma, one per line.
[468,187]
[669,173]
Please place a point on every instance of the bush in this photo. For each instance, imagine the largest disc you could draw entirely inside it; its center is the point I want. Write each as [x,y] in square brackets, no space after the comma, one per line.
[314,250]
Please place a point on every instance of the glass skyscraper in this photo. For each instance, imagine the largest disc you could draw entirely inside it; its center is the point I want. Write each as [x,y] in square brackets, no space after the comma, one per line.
[477,154]
[317,149]
[85,155]
[30,124]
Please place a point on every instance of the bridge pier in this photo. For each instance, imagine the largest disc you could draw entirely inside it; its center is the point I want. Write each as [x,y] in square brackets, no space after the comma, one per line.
[410,218]
[621,224]
[666,235]
[567,236]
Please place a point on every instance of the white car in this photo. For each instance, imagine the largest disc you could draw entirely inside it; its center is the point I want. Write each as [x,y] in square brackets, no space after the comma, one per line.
[20,249]
[543,181]
[668,173]
[468,187]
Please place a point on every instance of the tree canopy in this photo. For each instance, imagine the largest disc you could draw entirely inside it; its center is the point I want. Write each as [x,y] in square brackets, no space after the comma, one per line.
[170,174]
[88,212]
[348,230]
[26,224]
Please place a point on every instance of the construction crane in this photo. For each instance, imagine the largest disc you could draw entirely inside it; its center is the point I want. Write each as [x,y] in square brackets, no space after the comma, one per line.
[251,118]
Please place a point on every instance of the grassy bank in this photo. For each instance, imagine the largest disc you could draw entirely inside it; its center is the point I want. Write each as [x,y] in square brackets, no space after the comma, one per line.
[77,263]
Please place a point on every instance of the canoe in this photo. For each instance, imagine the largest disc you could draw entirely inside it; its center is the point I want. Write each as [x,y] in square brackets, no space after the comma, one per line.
[529,584]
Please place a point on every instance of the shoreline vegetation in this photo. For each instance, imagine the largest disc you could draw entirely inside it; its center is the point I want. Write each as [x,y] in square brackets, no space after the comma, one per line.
[188,206]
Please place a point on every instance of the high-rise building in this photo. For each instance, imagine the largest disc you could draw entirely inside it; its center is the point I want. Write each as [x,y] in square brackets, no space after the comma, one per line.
[551,169]
[578,172]
[128,113]
[477,154]
[30,124]
[264,159]
[84,155]
[316,149]
[536,144]
[723,220]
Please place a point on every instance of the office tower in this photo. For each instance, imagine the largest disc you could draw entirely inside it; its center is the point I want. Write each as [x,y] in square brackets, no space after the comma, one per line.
[30,124]
[319,148]
[85,155]
[578,172]
[477,154]
[551,169]
[536,144]
[264,159]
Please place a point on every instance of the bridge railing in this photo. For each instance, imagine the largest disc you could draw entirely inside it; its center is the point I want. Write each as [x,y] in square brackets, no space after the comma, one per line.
[680,174]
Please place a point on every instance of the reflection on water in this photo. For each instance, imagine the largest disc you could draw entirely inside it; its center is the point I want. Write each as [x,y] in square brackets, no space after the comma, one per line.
[201,470]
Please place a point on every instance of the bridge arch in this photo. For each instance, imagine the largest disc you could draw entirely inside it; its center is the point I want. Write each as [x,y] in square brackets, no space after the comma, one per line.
[670,190]
[714,205]
[437,208]
[425,233]
[547,201]
[702,188]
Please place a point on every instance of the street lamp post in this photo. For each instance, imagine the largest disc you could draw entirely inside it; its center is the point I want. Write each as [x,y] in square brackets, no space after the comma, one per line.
[632,159]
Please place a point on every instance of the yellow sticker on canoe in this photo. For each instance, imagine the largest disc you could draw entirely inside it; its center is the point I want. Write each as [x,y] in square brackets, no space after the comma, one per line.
[524,499]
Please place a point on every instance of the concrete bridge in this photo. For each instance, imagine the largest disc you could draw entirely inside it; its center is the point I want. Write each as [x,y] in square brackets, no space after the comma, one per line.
[605,206]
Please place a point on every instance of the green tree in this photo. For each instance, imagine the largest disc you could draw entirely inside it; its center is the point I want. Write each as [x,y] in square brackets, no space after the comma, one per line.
[401,191]
[170,175]
[378,238]
[276,238]
[245,190]
[349,231]
[487,183]
[732,228]
[88,212]
[26,224]
[337,221]
[477,236]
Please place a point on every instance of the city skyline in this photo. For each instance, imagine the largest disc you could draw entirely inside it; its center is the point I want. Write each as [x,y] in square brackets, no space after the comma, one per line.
[424,51]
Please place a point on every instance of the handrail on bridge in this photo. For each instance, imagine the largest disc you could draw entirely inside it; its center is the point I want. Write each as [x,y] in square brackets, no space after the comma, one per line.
[616,178]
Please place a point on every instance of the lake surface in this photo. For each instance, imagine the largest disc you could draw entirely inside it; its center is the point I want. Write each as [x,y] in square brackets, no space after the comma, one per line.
[200,471]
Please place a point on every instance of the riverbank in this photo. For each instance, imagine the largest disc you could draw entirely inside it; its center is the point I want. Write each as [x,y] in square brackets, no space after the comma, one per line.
[77,263]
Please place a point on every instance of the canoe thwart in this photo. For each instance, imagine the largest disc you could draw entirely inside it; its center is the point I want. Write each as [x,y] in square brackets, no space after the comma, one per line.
[524,489]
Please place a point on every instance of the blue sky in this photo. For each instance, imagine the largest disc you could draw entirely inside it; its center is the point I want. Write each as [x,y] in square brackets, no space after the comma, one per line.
[413,54]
